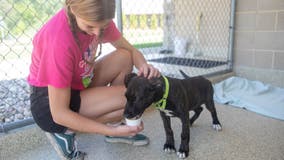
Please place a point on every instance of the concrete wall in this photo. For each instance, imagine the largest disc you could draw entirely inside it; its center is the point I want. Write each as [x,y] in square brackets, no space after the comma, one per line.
[259,40]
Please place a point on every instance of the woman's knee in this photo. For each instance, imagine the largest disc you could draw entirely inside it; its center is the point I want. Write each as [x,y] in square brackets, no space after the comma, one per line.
[112,68]
[125,57]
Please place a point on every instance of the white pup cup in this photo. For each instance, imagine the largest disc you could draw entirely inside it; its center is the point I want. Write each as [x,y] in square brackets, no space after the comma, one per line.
[133,122]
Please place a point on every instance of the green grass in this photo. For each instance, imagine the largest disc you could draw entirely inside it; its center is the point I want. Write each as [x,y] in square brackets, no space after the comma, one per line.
[147,45]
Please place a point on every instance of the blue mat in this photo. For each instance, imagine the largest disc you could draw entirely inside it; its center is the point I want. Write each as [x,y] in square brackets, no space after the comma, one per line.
[255,96]
[199,63]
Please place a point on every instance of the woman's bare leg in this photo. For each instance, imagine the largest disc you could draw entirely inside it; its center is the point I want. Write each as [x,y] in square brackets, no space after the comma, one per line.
[106,103]
[112,68]
[99,101]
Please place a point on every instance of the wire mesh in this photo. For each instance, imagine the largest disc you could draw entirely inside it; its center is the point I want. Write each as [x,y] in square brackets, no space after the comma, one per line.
[191,35]
[19,21]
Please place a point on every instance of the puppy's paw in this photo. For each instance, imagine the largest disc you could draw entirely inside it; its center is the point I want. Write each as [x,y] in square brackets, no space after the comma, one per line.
[182,154]
[217,127]
[168,148]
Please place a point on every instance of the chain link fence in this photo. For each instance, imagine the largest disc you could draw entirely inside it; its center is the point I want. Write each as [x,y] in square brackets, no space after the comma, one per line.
[191,35]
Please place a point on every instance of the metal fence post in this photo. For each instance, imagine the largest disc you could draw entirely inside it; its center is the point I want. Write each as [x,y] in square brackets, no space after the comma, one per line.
[231,35]
[119,15]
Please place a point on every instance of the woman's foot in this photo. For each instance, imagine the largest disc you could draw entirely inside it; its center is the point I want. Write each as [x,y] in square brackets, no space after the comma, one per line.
[65,145]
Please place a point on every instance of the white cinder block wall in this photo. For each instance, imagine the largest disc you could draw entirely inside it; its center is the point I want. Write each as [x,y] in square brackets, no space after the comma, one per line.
[259,40]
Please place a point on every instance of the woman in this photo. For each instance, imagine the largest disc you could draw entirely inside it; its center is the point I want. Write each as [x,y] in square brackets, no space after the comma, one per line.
[72,90]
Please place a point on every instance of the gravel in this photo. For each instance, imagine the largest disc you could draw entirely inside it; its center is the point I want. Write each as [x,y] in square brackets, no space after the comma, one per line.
[15,103]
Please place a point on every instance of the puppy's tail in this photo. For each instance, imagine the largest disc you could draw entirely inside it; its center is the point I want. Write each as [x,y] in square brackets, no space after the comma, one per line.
[184,74]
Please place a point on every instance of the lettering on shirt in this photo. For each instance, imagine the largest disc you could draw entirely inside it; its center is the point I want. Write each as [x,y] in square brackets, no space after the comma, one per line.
[89,55]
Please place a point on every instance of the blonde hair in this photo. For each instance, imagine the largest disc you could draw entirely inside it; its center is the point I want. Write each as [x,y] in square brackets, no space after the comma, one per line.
[92,10]
[89,10]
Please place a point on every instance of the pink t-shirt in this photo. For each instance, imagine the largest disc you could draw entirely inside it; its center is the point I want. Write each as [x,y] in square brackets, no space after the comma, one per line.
[57,59]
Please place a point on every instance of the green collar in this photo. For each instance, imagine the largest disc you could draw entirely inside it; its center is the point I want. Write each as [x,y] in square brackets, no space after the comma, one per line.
[161,104]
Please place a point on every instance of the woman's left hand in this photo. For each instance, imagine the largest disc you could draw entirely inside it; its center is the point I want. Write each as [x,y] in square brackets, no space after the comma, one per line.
[148,71]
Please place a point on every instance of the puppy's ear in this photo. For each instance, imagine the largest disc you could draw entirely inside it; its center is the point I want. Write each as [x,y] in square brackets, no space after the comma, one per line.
[156,83]
[128,77]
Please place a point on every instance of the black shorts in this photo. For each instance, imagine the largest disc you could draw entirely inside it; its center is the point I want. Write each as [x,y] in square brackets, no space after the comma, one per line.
[41,111]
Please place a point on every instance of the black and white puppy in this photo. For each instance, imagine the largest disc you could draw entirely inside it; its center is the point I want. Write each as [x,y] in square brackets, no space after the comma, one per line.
[174,98]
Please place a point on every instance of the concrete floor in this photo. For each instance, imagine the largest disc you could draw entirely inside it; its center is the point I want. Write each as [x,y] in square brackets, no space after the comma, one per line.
[245,136]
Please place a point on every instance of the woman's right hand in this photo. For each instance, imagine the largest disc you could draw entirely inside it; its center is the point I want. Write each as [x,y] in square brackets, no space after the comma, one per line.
[125,130]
